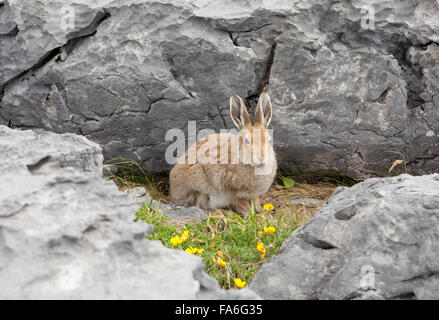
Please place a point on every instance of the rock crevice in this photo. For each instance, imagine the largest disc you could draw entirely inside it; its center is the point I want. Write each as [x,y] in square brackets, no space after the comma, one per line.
[337,86]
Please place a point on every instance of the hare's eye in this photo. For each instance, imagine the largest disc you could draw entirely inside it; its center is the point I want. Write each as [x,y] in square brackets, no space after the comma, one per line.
[246,140]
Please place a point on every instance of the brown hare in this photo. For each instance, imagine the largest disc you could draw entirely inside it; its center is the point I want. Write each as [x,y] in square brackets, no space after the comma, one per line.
[227,170]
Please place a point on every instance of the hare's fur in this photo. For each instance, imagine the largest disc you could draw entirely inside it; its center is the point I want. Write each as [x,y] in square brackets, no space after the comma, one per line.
[226,180]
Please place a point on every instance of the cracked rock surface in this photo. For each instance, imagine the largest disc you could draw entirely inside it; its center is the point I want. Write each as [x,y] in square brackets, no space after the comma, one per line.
[376,240]
[66,233]
[347,98]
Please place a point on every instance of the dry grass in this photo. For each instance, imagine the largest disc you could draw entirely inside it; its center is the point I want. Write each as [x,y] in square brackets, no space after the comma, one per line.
[131,174]
[280,197]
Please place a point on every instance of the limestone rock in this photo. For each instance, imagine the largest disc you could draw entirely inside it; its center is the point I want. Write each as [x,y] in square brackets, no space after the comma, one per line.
[376,240]
[66,233]
[353,84]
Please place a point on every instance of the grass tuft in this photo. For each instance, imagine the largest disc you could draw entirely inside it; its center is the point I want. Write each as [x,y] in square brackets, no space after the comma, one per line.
[227,242]
[130,175]
[224,237]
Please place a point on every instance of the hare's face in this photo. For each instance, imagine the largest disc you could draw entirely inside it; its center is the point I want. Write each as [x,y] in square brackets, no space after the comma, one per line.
[255,146]
[254,140]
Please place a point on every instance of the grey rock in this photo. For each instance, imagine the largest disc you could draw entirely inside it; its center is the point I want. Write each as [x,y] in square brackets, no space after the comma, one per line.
[347,98]
[7,25]
[307,202]
[356,96]
[191,214]
[42,152]
[384,247]
[67,233]
[110,170]
[140,85]
[369,295]
[35,30]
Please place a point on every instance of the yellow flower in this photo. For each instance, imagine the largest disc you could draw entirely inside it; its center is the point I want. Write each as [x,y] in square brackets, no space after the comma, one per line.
[221,262]
[191,250]
[185,235]
[269,230]
[260,234]
[260,247]
[213,259]
[240,283]
[268,207]
[200,251]
[220,254]
[176,240]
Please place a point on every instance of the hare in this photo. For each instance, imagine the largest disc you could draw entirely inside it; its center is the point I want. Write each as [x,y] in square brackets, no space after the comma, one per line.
[227,170]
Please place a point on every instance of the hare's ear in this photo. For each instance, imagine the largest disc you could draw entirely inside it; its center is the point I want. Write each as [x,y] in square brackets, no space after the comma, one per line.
[238,112]
[263,110]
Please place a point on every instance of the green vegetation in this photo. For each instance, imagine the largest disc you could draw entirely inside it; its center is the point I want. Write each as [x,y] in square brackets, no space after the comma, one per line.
[232,247]
[130,174]
[325,177]
[224,237]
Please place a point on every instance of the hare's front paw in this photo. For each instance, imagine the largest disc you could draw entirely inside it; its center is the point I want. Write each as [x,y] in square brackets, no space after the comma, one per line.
[258,206]
[242,207]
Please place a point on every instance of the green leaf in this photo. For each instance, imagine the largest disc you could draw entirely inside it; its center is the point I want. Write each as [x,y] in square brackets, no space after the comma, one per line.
[288,182]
